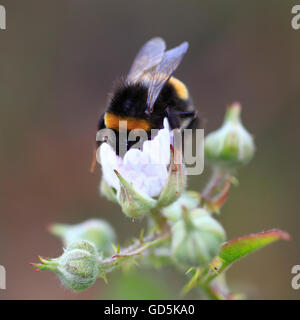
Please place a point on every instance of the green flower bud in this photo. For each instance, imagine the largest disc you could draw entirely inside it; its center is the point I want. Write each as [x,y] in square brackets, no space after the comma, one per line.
[189,200]
[77,267]
[196,239]
[133,203]
[97,231]
[136,204]
[231,145]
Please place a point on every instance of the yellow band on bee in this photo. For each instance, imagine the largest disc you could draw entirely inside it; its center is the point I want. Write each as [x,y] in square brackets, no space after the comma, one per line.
[179,87]
[112,121]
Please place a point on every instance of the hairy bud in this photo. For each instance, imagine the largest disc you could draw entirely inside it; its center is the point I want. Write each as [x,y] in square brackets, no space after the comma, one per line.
[231,145]
[196,239]
[97,231]
[188,200]
[77,267]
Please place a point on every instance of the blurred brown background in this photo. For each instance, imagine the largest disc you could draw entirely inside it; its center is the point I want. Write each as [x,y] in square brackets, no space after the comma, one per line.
[58,60]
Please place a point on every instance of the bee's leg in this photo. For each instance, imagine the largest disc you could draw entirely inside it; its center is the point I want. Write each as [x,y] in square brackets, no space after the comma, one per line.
[189,114]
[101,125]
[173,118]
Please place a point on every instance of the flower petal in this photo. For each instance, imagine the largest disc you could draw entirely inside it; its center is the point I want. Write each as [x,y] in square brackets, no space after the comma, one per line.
[147,170]
[110,162]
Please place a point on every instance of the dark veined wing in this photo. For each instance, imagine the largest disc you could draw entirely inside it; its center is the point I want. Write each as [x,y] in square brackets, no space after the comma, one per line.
[162,73]
[150,55]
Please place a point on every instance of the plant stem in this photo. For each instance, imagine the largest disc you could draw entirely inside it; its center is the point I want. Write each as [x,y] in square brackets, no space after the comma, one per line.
[216,191]
[136,249]
[143,247]
[217,177]
[160,221]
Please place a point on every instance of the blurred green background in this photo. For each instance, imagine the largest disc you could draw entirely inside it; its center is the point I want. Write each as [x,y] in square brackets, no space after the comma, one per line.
[58,60]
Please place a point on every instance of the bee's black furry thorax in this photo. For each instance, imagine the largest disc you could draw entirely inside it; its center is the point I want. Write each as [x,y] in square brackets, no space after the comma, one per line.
[129,101]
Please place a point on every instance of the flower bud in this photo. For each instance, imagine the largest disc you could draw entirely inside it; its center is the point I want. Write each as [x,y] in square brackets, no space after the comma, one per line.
[231,145]
[188,200]
[97,231]
[133,203]
[196,239]
[77,267]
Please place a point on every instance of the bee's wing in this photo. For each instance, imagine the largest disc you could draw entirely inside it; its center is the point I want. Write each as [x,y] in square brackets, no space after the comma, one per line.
[162,73]
[149,56]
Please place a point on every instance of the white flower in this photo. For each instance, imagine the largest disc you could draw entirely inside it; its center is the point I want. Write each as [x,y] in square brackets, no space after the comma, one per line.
[146,169]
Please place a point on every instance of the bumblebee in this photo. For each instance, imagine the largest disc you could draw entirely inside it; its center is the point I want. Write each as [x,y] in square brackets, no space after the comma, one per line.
[150,93]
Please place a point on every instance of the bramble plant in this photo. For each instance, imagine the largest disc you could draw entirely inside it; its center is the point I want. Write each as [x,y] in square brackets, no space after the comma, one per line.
[183,230]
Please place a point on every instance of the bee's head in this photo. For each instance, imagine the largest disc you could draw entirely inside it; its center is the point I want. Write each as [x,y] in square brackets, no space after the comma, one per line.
[129,100]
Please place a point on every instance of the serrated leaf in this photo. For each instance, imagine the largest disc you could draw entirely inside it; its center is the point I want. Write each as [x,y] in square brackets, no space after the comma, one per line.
[240,247]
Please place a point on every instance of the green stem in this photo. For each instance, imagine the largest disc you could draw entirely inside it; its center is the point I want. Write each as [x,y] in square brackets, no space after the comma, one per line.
[160,220]
[144,247]
[137,249]
[217,178]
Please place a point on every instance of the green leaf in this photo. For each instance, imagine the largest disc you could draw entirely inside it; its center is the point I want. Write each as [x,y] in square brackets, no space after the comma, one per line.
[240,247]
